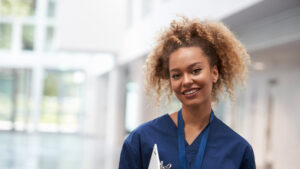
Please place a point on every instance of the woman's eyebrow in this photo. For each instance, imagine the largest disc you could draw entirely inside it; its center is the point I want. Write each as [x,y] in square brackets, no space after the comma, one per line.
[189,67]
[174,70]
[194,64]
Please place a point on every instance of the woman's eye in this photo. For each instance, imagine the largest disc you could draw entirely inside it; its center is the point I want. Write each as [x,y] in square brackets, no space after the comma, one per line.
[195,71]
[175,76]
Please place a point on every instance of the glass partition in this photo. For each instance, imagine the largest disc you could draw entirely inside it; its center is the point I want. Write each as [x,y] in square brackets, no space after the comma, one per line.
[62,102]
[15,99]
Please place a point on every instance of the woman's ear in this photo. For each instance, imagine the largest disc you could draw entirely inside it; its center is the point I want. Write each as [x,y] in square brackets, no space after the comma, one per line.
[215,74]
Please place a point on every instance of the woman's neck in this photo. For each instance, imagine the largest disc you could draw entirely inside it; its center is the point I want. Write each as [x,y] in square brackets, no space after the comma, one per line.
[196,116]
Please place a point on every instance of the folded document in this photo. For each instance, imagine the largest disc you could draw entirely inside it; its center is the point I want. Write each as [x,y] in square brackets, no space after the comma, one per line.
[155,162]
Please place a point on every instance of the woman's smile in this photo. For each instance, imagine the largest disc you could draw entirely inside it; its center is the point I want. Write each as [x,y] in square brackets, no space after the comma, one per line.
[191,75]
[189,93]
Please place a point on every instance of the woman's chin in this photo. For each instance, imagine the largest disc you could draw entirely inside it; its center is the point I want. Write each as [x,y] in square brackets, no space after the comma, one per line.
[195,102]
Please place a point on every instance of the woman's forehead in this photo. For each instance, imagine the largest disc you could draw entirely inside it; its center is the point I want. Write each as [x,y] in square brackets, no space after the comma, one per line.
[187,56]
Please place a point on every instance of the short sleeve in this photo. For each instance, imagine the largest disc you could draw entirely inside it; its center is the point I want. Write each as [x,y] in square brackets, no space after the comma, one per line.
[130,156]
[248,161]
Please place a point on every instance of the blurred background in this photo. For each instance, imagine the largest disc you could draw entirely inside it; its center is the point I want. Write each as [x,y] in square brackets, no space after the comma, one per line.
[71,81]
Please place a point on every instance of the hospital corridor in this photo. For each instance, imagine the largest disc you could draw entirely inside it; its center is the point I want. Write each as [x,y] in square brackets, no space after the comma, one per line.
[72,78]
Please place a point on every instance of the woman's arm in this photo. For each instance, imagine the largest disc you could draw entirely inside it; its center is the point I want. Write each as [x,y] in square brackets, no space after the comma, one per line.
[130,156]
[248,159]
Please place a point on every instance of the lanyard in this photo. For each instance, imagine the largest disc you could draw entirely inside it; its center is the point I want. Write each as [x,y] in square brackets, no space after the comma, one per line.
[181,143]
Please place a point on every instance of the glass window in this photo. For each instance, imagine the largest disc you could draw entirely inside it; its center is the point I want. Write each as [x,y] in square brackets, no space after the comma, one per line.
[49,38]
[6,104]
[23,117]
[14,99]
[131,107]
[62,103]
[51,8]
[28,37]
[5,35]
[17,7]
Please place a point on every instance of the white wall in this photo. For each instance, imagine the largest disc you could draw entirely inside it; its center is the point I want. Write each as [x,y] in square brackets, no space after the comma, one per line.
[285,138]
[280,62]
[90,25]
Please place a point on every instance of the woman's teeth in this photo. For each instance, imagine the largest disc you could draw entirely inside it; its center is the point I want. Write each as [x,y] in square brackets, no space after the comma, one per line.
[190,91]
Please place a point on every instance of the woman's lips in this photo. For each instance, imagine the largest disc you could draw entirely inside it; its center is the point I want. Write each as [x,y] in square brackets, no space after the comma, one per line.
[190,92]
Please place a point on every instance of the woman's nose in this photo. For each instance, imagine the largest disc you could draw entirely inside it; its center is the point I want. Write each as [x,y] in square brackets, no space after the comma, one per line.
[187,80]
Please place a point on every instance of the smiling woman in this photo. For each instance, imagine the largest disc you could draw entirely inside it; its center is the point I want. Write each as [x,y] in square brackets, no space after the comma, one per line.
[197,61]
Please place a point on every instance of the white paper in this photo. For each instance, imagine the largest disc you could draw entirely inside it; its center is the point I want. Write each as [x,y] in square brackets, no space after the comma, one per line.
[154,161]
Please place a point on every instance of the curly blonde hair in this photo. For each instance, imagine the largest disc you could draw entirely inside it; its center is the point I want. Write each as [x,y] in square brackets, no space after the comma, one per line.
[217,42]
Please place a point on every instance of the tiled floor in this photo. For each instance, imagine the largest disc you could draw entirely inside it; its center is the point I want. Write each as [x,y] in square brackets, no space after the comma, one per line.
[50,151]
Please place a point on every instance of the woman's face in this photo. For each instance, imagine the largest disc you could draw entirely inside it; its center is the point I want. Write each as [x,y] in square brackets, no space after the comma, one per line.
[191,76]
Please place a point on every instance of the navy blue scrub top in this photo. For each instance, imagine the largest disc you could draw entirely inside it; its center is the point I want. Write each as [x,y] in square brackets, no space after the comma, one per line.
[225,149]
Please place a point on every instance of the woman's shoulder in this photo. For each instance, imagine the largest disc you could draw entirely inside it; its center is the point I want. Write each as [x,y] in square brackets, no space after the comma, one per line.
[138,146]
[228,135]
[155,123]
[225,142]
[156,126]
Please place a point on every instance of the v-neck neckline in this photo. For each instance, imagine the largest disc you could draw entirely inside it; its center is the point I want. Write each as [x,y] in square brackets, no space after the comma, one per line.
[176,128]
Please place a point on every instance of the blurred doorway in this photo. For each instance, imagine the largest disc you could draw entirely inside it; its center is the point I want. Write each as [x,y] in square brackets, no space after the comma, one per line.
[15,99]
